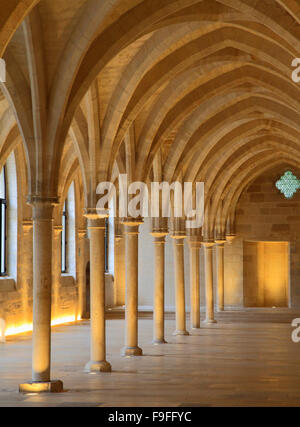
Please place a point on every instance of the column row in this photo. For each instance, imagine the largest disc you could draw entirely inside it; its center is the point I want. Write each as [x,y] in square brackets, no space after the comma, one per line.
[42,289]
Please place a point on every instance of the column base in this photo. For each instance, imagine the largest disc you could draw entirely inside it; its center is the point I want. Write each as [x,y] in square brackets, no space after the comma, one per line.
[55,386]
[131,351]
[94,367]
[159,342]
[177,333]
[195,328]
[209,321]
[220,308]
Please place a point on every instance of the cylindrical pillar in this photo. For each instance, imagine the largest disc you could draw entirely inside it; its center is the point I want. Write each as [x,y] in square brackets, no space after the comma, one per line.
[131,299]
[194,246]
[27,272]
[81,275]
[42,284]
[178,245]
[42,238]
[98,361]
[119,264]
[56,269]
[220,273]
[159,290]
[209,291]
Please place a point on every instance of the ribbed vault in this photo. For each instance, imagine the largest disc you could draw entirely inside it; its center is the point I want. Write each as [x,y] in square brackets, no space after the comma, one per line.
[174,90]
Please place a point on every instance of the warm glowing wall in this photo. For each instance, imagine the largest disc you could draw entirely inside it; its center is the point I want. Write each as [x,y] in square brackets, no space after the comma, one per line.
[18,320]
[266,274]
[263,214]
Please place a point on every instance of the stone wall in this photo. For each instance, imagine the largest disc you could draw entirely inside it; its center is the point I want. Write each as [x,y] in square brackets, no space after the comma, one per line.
[264,214]
[16,293]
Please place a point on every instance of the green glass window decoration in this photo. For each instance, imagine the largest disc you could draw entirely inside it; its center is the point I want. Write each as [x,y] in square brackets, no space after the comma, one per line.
[288,184]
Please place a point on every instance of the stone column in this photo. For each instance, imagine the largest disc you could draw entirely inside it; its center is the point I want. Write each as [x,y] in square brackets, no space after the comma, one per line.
[81,279]
[96,227]
[209,290]
[42,283]
[178,245]
[27,273]
[230,238]
[220,273]
[56,269]
[194,246]
[119,265]
[159,288]
[131,304]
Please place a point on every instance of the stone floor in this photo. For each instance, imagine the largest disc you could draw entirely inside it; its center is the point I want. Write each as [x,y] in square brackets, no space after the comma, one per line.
[242,360]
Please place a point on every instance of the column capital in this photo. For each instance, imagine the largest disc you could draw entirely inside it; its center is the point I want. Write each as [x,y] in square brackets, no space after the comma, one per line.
[132,222]
[34,199]
[42,206]
[27,224]
[208,244]
[94,213]
[132,225]
[131,230]
[81,232]
[178,235]
[57,229]
[157,234]
[178,240]
[230,238]
[159,239]
[220,242]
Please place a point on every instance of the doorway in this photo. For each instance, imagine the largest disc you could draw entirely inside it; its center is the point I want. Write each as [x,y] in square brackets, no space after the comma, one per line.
[266,274]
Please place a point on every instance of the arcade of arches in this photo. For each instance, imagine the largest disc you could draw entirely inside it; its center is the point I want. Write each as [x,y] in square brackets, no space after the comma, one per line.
[172,90]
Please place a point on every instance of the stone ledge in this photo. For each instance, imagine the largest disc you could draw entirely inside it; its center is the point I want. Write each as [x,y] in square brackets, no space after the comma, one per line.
[7,284]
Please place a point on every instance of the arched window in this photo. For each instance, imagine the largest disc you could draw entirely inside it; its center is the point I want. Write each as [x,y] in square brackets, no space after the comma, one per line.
[106,243]
[68,241]
[64,240]
[110,239]
[9,218]
[3,206]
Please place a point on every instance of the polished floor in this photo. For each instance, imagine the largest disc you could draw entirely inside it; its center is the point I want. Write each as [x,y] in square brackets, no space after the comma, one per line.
[247,358]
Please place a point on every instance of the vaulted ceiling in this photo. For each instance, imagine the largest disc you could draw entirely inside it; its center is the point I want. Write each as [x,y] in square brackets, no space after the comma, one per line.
[174,89]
